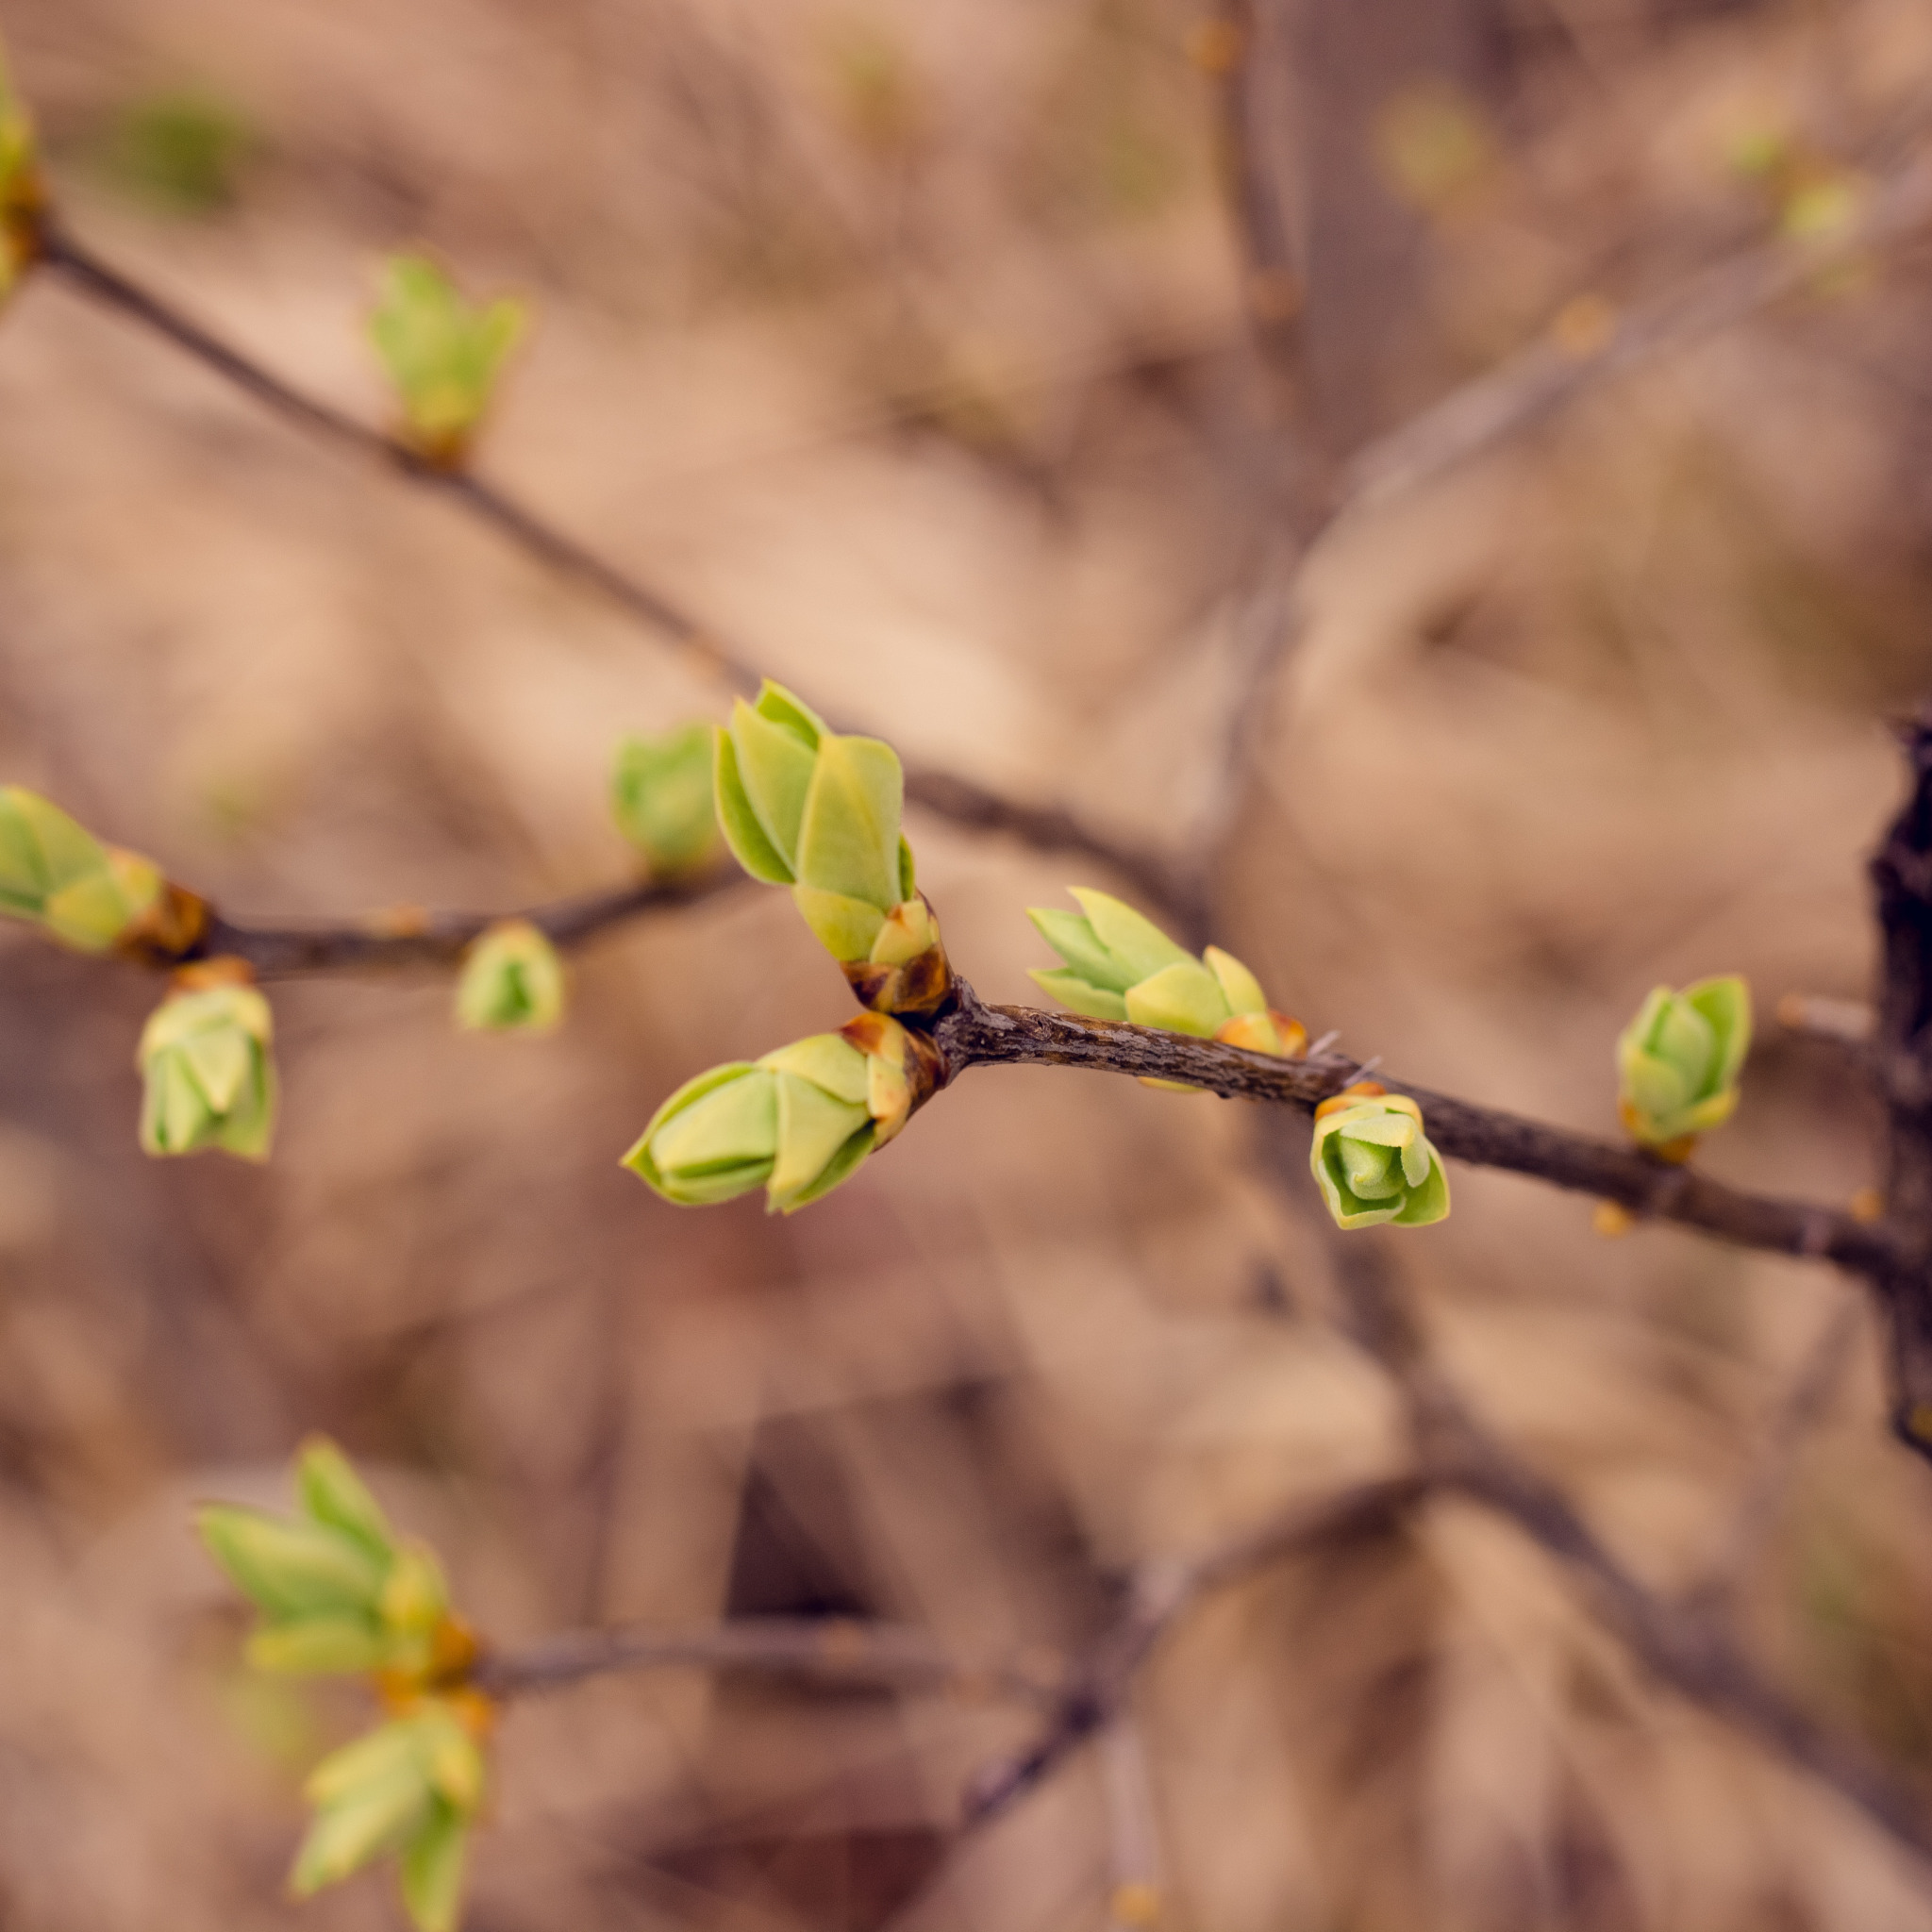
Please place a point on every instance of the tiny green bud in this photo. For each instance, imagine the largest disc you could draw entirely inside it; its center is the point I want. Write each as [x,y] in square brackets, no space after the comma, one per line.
[796,1122]
[660,796]
[1373,1161]
[512,981]
[442,352]
[1678,1062]
[1120,966]
[203,1058]
[802,805]
[23,196]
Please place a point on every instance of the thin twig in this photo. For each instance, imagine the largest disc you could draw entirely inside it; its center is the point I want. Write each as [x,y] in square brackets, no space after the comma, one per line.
[1541,379]
[978,1034]
[1843,1023]
[836,1652]
[945,793]
[1682,1644]
[409,936]
[1133,1832]
[1097,1688]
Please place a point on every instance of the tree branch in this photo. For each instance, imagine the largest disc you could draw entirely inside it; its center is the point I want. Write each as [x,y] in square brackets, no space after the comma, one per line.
[1683,1645]
[837,1653]
[407,936]
[945,793]
[974,1034]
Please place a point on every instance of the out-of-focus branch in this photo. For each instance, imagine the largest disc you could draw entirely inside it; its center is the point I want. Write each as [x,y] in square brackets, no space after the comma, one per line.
[975,1034]
[1097,1688]
[1133,1832]
[1682,1644]
[1845,1022]
[946,794]
[837,1653]
[1531,384]
[407,936]
[101,282]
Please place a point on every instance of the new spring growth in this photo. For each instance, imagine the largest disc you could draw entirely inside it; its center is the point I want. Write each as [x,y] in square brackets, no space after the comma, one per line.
[413,1787]
[22,197]
[442,352]
[1678,1061]
[208,1080]
[1373,1161]
[801,805]
[512,981]
[93,898]
[1120,966]
[796,1122]
[337,1591]
[660,796]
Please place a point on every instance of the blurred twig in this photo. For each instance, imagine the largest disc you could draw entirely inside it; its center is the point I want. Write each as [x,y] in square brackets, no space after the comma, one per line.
[407,936]
[1098,1687]
[946,793]
[1684,1645]
[1524,390]
[1846,1023]
[828,1650]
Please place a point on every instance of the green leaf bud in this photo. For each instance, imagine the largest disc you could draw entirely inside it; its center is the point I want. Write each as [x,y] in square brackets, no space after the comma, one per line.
[512,982]
[90,896]
[376,1817]
[409,1787]
[796,1122]
[660,796]
[291,1570]
[1373,1161]
[1120,966]
[804,806]
[442,352]
[1678,1062]
[203,1058]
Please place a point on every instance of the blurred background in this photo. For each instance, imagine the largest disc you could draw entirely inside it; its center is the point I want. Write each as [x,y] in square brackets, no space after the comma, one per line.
[957,357]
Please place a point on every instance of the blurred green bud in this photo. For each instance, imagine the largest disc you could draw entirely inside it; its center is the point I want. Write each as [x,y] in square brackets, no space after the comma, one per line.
[22,195]
[660,796]
[512,981]
[331,1493]
[88,895]
[442,352]
[410,1787]
[1678,1062]
[292,1570]
[796,1122]
[339,1592]
[1120,966]
[801,805]
[204,1056]
[1373,1161]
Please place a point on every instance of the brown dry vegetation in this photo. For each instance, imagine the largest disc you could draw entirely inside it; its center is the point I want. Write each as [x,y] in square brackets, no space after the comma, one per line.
[908,342]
